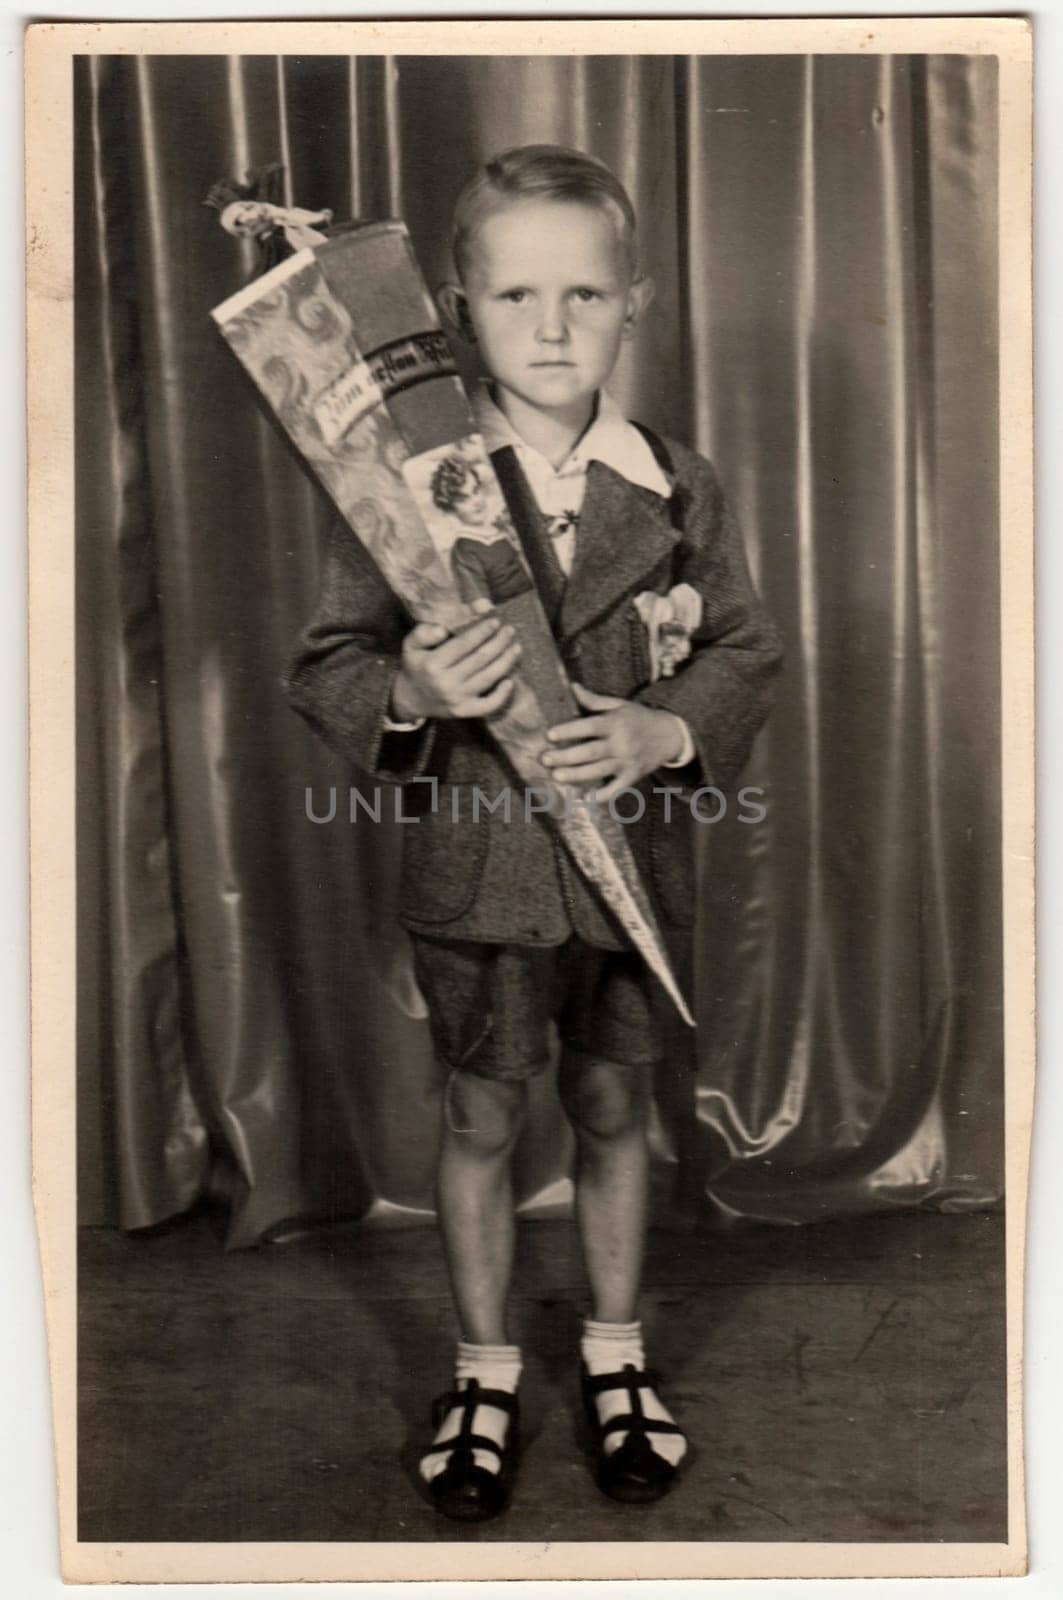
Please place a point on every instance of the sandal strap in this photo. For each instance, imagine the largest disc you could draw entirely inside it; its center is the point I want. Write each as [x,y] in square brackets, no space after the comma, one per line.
[638,1422]
[500,1398]
[460,1446]
[467,1399]
[635,1423]
[631,1378]
[465,1443]
[637,1455]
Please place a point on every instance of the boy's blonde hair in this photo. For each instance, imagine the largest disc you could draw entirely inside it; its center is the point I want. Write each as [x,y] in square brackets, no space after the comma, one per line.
[542,172]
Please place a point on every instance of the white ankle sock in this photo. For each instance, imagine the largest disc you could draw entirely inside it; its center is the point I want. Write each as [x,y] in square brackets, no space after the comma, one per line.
[495,1366]
[609,1347]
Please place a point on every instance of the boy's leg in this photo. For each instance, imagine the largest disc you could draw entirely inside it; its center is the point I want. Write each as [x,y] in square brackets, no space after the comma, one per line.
[488,1008]
[481,1121]
[607,1104]
[486,1011]
[474,1196]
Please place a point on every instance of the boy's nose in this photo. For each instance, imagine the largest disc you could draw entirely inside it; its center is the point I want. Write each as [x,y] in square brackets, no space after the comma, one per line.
[553,328]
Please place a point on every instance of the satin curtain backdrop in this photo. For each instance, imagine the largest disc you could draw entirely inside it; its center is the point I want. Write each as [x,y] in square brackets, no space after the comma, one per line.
[821,234]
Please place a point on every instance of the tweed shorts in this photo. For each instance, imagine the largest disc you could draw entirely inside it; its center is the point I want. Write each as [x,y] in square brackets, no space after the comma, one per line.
[491,1006]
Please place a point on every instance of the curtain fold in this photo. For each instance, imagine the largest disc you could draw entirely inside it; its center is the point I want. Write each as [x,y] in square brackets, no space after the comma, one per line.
[821,234]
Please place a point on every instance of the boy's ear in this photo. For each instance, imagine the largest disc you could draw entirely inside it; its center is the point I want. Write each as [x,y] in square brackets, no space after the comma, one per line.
[454,304]
[639,298]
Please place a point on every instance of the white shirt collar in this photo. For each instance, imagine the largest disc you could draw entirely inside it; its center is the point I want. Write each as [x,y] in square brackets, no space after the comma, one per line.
[610,439]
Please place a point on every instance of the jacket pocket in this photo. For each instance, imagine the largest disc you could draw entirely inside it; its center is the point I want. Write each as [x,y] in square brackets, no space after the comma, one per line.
[443,859]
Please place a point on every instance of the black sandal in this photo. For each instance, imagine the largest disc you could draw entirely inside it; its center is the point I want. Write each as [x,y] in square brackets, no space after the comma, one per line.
[463,1490]
[634,1472]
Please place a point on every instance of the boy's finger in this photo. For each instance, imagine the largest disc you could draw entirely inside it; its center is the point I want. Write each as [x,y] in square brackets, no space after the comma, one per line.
[469,639]
[594,701]
[488,652]
[577,730]
[426,635]
[575,755]
[620,782]
[582,775]
[479,682]
[487,704]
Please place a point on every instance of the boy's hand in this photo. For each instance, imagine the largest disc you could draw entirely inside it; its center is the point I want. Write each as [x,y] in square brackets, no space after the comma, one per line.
[623,742]
[455,675]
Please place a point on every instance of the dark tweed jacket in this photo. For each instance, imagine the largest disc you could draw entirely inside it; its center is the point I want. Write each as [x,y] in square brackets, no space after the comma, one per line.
[511,882]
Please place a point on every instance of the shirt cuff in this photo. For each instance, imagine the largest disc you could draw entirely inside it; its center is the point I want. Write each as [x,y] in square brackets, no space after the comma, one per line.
[687,752]
[391,726]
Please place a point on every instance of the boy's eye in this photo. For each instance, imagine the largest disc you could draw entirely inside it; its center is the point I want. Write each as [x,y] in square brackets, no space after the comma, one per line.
[515,297]
[585,295]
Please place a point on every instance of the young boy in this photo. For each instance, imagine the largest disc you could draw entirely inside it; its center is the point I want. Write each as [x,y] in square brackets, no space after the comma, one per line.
[508,939]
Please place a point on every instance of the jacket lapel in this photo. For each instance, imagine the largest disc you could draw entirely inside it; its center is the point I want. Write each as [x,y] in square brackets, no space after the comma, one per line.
[624,532]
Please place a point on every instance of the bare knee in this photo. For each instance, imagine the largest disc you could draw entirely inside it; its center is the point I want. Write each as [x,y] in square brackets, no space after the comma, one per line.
[603,1100]
[481,1115]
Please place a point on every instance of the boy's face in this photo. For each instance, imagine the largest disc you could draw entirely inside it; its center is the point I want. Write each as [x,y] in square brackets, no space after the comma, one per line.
[470,504]
[550,295]
[246,219]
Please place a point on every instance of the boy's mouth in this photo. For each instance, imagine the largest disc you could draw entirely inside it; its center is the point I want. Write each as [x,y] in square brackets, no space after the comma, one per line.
[553,363]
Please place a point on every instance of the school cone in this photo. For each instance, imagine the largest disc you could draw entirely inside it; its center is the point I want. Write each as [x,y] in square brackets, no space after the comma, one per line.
[343,342]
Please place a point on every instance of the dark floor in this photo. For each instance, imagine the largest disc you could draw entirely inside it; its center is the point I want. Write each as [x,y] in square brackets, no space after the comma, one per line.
[841,1382]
